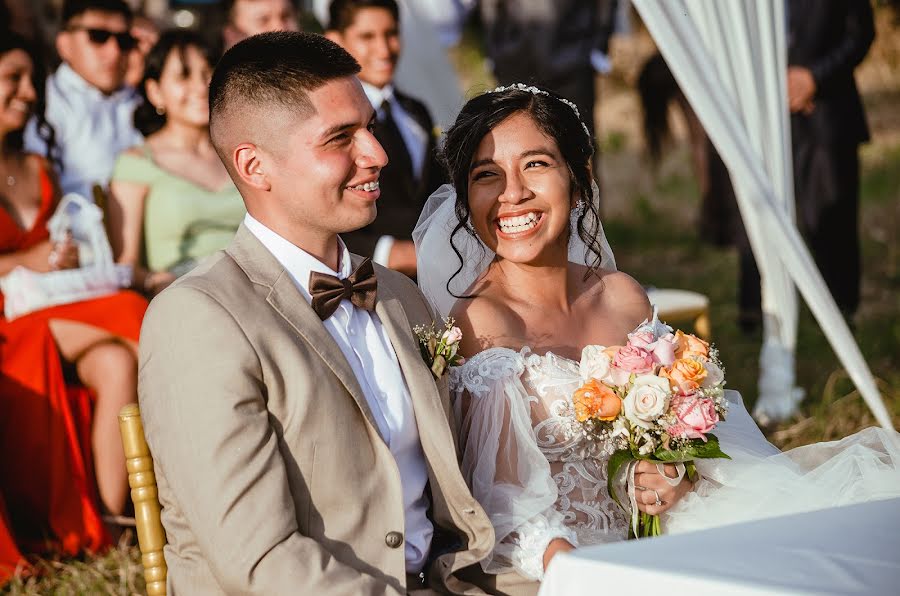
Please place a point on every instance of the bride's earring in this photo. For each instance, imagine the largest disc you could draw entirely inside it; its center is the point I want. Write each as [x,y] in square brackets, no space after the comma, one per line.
[576,213]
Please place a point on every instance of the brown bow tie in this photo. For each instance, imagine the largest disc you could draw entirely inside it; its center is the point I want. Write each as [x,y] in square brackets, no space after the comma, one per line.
[327,290]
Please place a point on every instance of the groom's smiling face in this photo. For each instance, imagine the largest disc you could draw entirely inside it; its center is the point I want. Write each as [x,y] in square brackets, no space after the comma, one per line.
[326,167]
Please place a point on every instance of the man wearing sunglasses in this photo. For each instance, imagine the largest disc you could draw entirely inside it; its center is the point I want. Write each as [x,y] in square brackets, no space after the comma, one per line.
[88,104]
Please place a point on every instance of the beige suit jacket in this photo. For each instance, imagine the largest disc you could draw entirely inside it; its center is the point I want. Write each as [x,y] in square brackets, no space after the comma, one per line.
[272,474]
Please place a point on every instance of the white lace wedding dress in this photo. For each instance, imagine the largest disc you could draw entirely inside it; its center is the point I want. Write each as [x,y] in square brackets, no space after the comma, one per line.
[537,481]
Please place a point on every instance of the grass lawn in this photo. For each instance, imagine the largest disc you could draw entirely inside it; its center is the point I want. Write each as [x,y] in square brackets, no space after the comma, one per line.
[650,220]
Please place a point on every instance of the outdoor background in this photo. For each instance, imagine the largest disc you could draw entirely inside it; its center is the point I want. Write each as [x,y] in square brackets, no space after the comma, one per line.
[650,216]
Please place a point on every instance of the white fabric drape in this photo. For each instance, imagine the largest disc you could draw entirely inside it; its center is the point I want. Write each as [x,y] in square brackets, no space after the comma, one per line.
[730,60]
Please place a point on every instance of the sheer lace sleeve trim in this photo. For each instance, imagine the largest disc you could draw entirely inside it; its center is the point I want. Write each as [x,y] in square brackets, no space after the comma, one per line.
[487,368]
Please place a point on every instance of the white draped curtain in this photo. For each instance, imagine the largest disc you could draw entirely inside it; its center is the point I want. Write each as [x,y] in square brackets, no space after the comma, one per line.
[730,60]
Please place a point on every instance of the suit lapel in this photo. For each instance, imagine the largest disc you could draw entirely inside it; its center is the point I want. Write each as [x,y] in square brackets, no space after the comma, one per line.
[263,268]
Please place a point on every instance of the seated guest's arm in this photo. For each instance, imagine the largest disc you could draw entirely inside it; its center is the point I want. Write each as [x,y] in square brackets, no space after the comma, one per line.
[126,233]
[203,401]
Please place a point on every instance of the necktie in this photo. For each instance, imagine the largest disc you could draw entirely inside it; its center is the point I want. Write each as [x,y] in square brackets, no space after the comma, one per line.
[389,135]
[327,290]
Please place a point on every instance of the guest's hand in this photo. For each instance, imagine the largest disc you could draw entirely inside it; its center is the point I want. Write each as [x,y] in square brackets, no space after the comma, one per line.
[801,89]
[650,487]
[403,257]
[63,255]
[557,545]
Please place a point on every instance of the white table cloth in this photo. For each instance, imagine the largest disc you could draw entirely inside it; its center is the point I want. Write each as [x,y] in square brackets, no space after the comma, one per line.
[843,550]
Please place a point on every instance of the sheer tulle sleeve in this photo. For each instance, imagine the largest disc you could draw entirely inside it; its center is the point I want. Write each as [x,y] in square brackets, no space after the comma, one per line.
[502,464]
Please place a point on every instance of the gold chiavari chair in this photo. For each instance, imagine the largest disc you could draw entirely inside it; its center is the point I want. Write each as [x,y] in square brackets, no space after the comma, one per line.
[151,535]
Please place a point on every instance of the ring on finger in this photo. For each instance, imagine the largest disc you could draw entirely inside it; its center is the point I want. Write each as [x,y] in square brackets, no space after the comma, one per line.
[658,500]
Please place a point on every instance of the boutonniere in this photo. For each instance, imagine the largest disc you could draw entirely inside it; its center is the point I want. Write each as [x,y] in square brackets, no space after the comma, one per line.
[440,349]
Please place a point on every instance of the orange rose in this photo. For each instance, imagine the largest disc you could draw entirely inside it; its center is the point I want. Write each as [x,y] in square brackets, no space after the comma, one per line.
[690,345]
[685,375]
[596,400]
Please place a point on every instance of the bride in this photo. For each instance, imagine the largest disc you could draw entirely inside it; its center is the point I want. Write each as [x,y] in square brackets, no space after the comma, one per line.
[515,252]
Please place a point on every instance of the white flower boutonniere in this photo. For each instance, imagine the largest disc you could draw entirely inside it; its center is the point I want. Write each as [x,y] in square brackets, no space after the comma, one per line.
[440,349]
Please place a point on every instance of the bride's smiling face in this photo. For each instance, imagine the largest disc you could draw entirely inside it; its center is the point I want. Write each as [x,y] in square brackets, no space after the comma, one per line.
[520,193]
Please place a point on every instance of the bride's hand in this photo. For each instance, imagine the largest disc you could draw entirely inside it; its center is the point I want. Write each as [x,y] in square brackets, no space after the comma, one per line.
[650,486]
[557,545]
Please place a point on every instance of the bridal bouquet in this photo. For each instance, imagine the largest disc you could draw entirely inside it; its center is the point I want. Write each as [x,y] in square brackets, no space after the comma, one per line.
[657,398]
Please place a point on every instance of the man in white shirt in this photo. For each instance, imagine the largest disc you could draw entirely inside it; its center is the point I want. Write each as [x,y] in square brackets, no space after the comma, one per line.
[89,107]
[369,31]
[301,443]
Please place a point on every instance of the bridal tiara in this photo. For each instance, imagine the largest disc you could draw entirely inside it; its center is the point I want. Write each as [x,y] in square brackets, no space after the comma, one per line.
[536,91]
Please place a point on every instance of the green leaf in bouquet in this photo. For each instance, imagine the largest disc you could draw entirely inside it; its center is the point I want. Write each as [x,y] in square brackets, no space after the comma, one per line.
[696,449]
[708,450]
[615,463]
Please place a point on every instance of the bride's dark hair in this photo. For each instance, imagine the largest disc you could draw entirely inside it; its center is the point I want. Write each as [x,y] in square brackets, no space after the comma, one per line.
[554,118]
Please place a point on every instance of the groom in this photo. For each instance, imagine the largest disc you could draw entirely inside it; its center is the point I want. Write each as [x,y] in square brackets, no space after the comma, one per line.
[301,444]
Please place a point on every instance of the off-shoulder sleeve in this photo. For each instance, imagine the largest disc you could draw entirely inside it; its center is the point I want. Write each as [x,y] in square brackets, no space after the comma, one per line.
[501,462]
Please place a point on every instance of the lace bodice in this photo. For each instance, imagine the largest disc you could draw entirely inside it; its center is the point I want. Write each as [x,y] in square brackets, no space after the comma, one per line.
[536,475]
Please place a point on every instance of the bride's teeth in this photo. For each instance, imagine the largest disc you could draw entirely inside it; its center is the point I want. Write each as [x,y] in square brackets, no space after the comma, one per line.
[519,223]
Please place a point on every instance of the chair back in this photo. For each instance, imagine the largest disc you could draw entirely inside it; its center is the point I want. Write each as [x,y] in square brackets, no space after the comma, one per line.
[151,535]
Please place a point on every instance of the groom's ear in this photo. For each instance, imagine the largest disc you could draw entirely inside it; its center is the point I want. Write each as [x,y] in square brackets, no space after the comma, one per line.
[250,165]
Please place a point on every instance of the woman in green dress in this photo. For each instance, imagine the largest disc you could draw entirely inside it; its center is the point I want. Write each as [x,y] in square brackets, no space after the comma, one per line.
[172,202]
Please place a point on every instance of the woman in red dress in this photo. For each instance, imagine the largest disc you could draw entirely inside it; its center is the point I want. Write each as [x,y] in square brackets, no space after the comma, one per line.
[51,445]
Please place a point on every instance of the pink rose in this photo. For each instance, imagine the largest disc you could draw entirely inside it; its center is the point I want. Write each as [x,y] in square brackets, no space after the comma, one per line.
[696,416]
[633,360]
[662,349]
[641,339]
[452,336]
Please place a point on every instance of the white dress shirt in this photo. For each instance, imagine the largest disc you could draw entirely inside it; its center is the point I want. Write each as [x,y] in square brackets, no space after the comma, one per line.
[414,137]
[365,343]
[91,129]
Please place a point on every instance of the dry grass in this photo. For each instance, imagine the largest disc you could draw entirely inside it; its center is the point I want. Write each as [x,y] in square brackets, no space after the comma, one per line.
[116,573]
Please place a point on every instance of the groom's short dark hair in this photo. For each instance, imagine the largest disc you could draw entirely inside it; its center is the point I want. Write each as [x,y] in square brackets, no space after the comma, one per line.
[277,69]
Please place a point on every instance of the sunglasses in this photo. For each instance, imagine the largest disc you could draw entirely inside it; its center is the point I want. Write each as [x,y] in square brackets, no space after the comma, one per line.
[100,36]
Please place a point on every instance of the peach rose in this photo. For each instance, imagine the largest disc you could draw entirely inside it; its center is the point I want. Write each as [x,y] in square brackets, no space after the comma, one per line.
[685,375]
[690,345]
[596,400]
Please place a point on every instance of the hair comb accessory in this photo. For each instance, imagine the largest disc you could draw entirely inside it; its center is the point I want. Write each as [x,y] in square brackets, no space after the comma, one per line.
[537,91]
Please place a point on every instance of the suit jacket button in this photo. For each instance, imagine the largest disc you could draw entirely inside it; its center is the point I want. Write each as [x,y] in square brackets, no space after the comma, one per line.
[393,539]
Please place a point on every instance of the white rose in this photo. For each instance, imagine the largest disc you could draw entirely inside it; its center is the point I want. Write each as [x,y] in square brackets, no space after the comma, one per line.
[714,375]
[595,364]
[647,400]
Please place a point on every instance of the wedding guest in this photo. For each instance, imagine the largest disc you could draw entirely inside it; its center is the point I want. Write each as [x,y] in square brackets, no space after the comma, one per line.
[87,101]
[146,34]
[301,443]
[249,17]
[369,31]
[549,43]
[171,199]
[51,447]
[826,42]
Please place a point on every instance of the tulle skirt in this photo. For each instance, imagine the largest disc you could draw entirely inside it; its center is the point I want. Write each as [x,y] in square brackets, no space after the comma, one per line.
[761,482]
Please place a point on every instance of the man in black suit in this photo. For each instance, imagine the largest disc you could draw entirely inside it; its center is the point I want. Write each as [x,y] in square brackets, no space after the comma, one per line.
[369,31]
[826,41]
